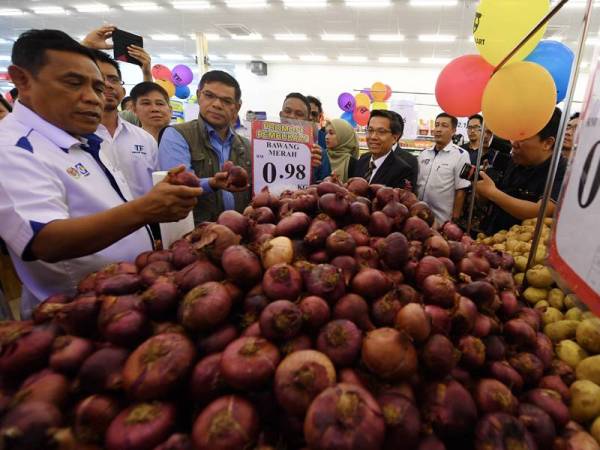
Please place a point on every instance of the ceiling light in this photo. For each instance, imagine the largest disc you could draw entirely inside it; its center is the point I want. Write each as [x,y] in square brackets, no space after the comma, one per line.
[290,37]
[352,59]
[191,5]
[238,57]
[92,8]
[283,57]
[427,3]
[4,58]
[11,12]
[386,37]
[437,61]
[209,36]
[393,59]
[313,58]
[369,4]
[173,56]
[246,3]
[49,10]
[437,38]
[164,37]
[337,37]
[140,6]
[214,58]
[5,41]
[247,37]
[305,3]
[593,41]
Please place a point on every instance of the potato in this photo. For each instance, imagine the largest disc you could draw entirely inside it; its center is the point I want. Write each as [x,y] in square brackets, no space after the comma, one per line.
[570,352]
[574,314]
[481,236]
[511,244]
[539,276]
[559,331]
[534,295]
[525,237]
[499,238]
[543,305]
[519,278]
[500,247]
[588,315]
[585,401]
[540,255]
[549,221]
[487,241]
[589,369]
[551,315]
[523,247]
[521,263]
[571,301]
[595,429]
[555,298]
[588,335]
[529,222]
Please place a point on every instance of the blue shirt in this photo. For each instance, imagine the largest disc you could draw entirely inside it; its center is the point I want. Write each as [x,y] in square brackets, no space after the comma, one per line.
[174,150]
[324,170]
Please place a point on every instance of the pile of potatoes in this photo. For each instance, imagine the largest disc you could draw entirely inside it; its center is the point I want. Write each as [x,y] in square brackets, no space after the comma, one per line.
[573,329]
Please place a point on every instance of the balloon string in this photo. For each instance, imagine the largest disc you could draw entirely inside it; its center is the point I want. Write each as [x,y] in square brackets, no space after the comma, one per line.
[535,29]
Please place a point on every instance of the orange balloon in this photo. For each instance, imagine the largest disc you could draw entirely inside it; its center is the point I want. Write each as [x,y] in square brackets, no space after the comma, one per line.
[378,91]
[388,92]
[167,86]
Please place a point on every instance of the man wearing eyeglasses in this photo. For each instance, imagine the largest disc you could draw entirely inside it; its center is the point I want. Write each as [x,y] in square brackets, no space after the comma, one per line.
[204,144]
[381,165]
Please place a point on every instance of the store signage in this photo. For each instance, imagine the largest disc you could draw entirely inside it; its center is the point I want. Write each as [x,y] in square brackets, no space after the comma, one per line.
[575,245]
[281,156]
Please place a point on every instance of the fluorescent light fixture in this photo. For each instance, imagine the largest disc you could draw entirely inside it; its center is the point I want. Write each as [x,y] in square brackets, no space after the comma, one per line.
[164,37]
[282,57]
[247,4]
[214,58]
[209,36]
[436,61]
[140,6]
[290,37]
[593,41]
[247,37]
[5,41]
[431,3]
[313,58]
[305,3]
[192,5]
[393,59]
[337,37]
[49,10]
[238,57]
[92,8]
[386,37]
[437,37]
[352,59]
[173,56]
[4,57]
[11,12]
[368,4]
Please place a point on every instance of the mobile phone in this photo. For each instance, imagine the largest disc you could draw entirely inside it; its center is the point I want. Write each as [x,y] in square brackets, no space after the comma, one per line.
[468,172]
[122,40]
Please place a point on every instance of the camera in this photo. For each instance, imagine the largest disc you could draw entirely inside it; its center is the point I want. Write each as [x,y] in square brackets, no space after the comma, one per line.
[468,172]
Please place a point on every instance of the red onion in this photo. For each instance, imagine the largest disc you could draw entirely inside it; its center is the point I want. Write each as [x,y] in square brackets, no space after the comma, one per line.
[379,224]
[102,370]
[452,232]
[544,350]
[205,307]
[474,266]
[464,316]
[236,175]
[295,344]
[397,212]
[389,354]
[177,441]
[385,195]
[315,312]
[241,265]
[80,317]
[282,281]
[371,283]
[367,256]
[532,316]
[49,308]
[160,299]
[427,266]
[348,265]
[319,257]
[441,321]
[408,294]
[196,274]
[93,416]
[27,426]
[358,186]
[122,320]
[340,340]
[340,243]
[393,251]
[529,367]
[24,349]
[563,370]
[359,233]
[281,319]
[265,198]
[519,332]
[439,355]
[344,417]
[499,431]
[422,211]
[249,362]
[504,372]
[326,281]
[384,309]
[141,426]
[457,251]
[45,386]
[438,290]
[69,352]
[437,246]
[483,326]
[481,292]
[120,284]
[293,225]
[495,348]
[215,239]
[493,396]
[450,409]
[183,254]
[334,205]
[510,304]
[206,381]
[152,271]
[354,308]
[556,383]
[431,443]
[359,212]
[473,352]
[416,229]
[501,279]
[184,179]
[261,216]
[538,423]
[402,420]
[414,321]
[217,340]
[304,202]
[551,402]
[235,221]
[319,229]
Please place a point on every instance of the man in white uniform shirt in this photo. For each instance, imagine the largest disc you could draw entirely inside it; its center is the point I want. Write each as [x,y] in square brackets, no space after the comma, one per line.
[439,183]
[63,212]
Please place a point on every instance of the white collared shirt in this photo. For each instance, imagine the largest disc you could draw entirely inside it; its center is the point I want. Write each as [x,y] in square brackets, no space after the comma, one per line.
[378,162]
[47,175]
[439,179]
[133,152]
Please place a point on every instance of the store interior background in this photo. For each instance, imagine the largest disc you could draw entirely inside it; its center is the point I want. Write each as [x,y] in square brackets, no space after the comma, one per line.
[168,28]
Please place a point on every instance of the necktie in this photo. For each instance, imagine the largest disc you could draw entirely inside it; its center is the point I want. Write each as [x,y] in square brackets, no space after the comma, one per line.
[370,170]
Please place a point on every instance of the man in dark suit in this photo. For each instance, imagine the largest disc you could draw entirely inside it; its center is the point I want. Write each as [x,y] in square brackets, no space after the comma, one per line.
[405,155]
[380,165]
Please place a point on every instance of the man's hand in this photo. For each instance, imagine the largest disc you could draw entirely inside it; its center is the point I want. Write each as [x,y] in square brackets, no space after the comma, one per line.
[315,159]
[167,203]
[97,38]
[143,57]
[219,181]
[486,186]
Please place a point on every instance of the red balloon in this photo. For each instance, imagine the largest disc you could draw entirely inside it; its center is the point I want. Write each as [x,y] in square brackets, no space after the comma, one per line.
[361,115]
[460,85]
[160,72]
[388,92]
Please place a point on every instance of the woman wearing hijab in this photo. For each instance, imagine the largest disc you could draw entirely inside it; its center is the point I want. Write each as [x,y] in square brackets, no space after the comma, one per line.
[342,146]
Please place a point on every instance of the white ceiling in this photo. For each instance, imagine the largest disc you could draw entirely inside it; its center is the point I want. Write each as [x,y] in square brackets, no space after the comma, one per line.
[400,17]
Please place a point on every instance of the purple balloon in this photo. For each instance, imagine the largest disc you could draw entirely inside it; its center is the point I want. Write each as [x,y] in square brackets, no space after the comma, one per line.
[367,92]
[182,75]
[346,102]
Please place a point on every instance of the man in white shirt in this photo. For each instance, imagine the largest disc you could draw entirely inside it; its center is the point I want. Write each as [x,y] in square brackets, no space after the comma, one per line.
[439,183]
[151,105]
[63,212]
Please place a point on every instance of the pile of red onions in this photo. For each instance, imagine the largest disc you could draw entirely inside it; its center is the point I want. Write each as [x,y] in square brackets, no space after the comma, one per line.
[335,317]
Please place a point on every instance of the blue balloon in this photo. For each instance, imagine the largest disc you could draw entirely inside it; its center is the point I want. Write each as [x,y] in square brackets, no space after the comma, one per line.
[347,116]
[557,59]
[182,92]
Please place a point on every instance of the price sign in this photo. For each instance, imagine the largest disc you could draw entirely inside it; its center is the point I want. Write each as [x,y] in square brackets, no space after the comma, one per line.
[281,156]
[575,245]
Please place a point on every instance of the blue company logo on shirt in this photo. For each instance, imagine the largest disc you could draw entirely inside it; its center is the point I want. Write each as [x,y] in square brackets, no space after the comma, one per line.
[78,171]
[426,161]
[138,149]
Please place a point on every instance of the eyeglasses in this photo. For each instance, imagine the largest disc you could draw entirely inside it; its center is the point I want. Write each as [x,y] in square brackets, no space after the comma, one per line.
[379,131]
[115,81]
[474,128]
[227,101]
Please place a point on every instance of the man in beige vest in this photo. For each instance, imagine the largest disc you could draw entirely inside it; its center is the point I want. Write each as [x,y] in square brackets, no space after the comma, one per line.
[204,144]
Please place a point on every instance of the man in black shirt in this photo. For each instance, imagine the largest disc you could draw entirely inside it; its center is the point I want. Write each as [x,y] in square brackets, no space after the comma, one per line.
[518,194]
[405,155]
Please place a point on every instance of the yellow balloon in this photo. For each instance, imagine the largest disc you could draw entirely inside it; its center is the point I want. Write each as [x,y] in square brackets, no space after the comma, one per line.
[167,86]
[379,105]
[362,100]
[378,91]
[501,24]
[519,100]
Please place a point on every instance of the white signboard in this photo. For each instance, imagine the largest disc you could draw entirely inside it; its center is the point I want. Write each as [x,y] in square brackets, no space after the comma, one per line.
[281,156]
[172,231]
